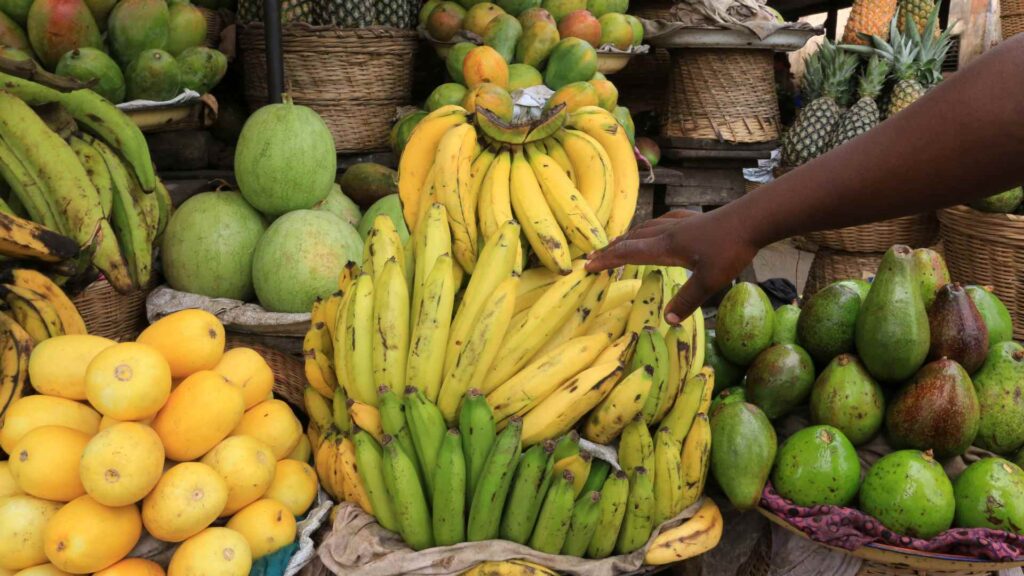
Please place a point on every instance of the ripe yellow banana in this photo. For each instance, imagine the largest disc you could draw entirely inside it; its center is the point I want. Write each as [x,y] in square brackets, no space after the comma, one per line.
[554,149]
[539,223]
[648,303]
[613,322]
[619,292]
[697,344]
[509,568]
[329,314]
[358,342]
[356,492]
[593,168]
[621,350]
[603,127]
[343,376]
[579,465]
[382,244]
[15,349]
[580,320]
[495,204]
[622,404]
[454,187]
[390,334]
[560,411]
[366,417]
[676,342]
[418,157]
[425,366]
[39,283]
[347,275]
[691,538]
[22,238]
[668,477]
[19,298]
[432,240]
[696,455]
[694,394]
[708,373]
[571,211]
[478,172]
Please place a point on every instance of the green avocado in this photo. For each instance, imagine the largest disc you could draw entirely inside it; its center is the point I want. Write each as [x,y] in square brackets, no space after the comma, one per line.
[746,322]
[786,318]
[861,286]
[847,397]
[993,312]
[930,272]
[1000,385]
[990,494]
[909,493]
[727,374]
[742,452]
[817,465]
[827,323]
[780,379]
[728,396]
[1002,203]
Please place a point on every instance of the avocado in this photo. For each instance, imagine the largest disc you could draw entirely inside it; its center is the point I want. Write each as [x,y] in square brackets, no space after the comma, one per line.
[786,318]
[817,465]
[909,493]
[727,374]
[937,410]
[957,329]
[827,322]
[742,452]
[993,312]
[1000,384]
[930,273]
[745,323]
[847,397]
[891,334]
[1002,203]
[861,286]
[990,494]
[728,396]
[780,379]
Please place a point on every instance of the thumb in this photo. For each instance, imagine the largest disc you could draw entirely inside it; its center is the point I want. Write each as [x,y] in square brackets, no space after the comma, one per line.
[686,301]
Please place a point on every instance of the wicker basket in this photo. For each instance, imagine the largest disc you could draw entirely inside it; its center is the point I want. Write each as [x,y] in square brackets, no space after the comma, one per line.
[1011,15]
[355,78]
[109,313]
[915,231]
[722,94]
[830,266]
[214,25]
[987,249]
[289,370]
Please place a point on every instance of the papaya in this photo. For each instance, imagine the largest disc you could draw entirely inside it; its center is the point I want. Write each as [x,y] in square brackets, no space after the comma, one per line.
[847,397]
[273,423]
[445,20]
[1000,385]
[246,368]
[930,272]
[186,27]
[479,16]
[137,25]
[575,96]
[485,64]
[828,322]
[201,68]
[11,34]
[493,98]
[743,452]
[17,10]
[85,536]
[187,499]
[786,319]
[993,312]
[266,524]
[517,7]
[780,379]
[938,410]
[132,567]
[990,494]
[219,551]
[909,493]
[817,465]
[561,8]
[89,64]
[453,61]
[535,45]
[57,26]
[502,34]
[571,60]
[523,76]
[607,93]
[153,75]
[294,485]
[128,381]
[746,321]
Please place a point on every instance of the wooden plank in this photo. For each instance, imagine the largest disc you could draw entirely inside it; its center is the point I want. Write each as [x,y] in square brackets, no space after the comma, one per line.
[705,144]
[644,205]
[706,187]
[746,157]
[979,23]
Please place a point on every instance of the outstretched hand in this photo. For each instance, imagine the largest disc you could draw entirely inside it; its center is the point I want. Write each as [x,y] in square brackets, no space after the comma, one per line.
[714,251]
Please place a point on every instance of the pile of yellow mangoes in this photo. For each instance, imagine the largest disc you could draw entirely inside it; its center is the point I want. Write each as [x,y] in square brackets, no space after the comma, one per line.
[169,433]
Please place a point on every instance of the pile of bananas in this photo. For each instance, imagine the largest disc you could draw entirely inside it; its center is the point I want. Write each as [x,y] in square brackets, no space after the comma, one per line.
[96,187]
[571,180]
[37,309]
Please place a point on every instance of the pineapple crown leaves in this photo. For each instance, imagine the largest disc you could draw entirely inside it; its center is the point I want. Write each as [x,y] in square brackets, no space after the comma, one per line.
[839,70]
[873,79]
[900,50]
[932,47]
[811,83]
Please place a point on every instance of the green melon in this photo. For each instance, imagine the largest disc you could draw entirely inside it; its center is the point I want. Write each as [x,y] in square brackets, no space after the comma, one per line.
[341,206]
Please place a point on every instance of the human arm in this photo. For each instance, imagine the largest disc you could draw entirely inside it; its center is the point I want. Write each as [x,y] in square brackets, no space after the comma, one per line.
[963,141]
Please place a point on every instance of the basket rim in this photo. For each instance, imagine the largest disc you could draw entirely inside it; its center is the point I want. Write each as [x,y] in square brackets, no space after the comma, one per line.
[307,28]
[994,217]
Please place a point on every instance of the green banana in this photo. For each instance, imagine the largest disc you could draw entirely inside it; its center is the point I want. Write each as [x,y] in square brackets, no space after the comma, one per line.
[476,423]
[613,509]
[567,445]
[339,411]
[392,421]
[651,350]
[370,462]
[127,217]
[585,516]
[533,476]
[668,476]
[449,502]
[636,447]
[637,524]
[96,168]
[426,425]
[28,190]
[599,470]
[493,484]
[646,309]
[407,496]
[555,514]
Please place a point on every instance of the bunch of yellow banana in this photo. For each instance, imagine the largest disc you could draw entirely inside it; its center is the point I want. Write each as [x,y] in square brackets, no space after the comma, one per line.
[509,568]
[96,187]
[571,183]
[334,452]
[692,538]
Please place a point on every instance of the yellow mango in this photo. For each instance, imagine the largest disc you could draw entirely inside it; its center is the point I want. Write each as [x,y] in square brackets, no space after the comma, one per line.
[302,451]
[8,485]
[266,524]
[57,365]
[187,499]
[273,423]
[86,536]
[44,463]
[190,340]
[246,368]
[128,381]
[294,486]
[107,421]
[133,567]
[212,552]
[31,412]
[247,466]
[42,570]
[122,464]
[22,521]
[202,411]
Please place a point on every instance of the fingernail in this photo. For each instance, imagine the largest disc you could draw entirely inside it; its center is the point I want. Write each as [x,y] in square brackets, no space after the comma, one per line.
[672,318]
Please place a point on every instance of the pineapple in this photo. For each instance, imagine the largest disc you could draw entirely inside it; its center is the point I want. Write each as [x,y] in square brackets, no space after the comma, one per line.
[354,13]
[864,114]
[291,11]
[395,13]
[916,10]
[868,17]
[811,133]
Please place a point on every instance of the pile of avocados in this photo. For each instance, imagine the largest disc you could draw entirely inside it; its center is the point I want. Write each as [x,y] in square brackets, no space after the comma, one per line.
[930,364]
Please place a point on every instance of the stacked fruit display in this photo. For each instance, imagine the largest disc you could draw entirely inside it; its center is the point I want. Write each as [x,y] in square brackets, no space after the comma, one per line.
[96,186]
[168,433]
[155,47]
[932,362]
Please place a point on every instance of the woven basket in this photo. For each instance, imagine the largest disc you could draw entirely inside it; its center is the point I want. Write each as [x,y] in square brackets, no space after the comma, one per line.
[987,249]
[289,370]
[214,24]
[109,313]
[355,78]
[830,266]
[722,94]
[916,231]
[1011,15]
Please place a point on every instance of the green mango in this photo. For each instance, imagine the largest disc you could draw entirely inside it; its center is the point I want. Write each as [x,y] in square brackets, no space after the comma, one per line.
[523,76]
[444,95]
[571,60]
[892,335]
[536,44]
[861,286]
[845,396]
[938,410]
[817,465]
[453,62]
[502,34]
[993,312]
[1002,203]
[1019,458]
[621,113]
[727,374]
[827,322]
[11,34]
[930,272]
[742,453]
[17,10]
[780,379]
[909,493]
[728,396]
[154,75]
[990,494]
[517,7]
[746,322]
[786,318]
[1000,384]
